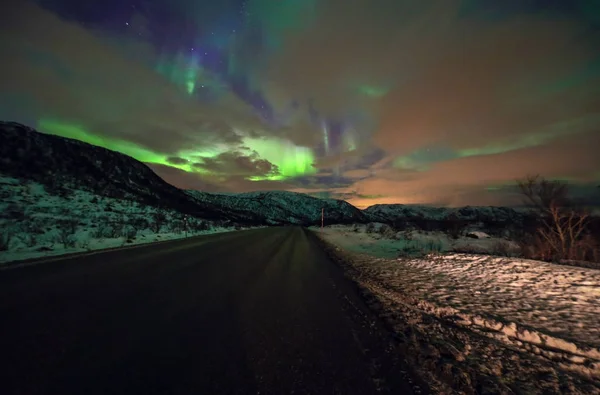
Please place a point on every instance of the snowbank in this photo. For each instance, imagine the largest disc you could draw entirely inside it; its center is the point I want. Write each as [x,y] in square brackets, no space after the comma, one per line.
[375,239]
[542,309]
[89,244]
[36,224]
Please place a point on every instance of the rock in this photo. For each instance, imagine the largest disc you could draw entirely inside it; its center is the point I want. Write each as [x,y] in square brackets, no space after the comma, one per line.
[477,235]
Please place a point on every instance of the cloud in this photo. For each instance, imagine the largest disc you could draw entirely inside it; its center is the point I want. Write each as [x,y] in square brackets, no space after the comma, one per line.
[186,180]
[175,160]
[77,75]
[238,164]
[466,181]
[322,181]
[439,101]
[461,98]
[241,184]
[454,78]
[357,174]
[214,182]
[362,157]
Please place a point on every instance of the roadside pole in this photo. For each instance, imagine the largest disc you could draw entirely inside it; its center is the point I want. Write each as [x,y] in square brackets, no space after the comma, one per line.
[185,225]
[322,217]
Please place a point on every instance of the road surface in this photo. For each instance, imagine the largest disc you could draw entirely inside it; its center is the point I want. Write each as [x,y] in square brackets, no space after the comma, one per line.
[260,311]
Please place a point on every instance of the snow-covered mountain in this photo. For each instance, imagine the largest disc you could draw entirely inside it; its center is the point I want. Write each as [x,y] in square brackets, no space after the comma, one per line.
[281,207]
[63,165]
[394,213]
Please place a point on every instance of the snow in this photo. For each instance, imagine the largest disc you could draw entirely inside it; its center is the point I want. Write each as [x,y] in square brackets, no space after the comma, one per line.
[35,224]
[281,207]
[547,309]
[478,235]
[358,238]
[391,212]
[88,244]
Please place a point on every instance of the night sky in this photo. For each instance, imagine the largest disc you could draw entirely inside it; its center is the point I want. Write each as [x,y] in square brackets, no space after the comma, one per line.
[373,101]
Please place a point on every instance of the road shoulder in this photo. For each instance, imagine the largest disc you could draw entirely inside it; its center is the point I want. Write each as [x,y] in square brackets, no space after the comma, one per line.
[448,357]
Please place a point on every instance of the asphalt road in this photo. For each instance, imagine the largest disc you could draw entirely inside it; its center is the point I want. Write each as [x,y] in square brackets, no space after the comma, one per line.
[261,311]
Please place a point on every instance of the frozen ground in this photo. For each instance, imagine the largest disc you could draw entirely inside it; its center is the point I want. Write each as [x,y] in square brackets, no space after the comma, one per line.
[87,244]
[36,224]
[549,310]
[381,244]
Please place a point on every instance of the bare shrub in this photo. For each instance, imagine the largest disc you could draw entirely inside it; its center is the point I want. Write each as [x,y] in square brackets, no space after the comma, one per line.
[69,224]
[14,212]
[586,249]
[501,248]
[158,219]
[371,227]
[433,246]
[66,237]
[411,249]
[139,223]
[98,232]
[29,239]
[4,240]
[113,231]
[562,225]
[387,232]
[129,232]
[417,248]
[399,225]
[176,226]
[468,249]
[199,225]
[84,243]
[454,227]
[36,228]
[106,231]
[534,247]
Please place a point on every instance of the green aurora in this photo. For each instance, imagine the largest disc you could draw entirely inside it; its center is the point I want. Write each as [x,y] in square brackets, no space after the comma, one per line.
[291,160]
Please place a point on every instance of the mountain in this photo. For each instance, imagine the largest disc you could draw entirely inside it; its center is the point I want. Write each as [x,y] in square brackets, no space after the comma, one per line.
[281,207]
[394,212]
[63,165]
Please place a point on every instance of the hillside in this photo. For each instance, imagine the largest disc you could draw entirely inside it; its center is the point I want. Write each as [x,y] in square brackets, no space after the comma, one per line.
[434,217]
[281,207]
[63,165]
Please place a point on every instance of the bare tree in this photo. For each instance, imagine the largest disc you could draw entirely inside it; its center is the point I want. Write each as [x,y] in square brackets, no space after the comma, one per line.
[159,218]
[4,240]
[562,224]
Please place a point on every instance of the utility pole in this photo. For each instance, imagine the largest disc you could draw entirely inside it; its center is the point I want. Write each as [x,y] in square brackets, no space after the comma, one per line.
[322,217]
[185,225]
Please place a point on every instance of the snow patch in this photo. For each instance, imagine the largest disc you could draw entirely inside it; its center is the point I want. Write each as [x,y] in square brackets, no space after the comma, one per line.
[550,310]
[34,223]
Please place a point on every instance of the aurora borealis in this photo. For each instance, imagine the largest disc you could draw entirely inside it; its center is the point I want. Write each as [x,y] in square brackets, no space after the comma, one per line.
[389,101]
